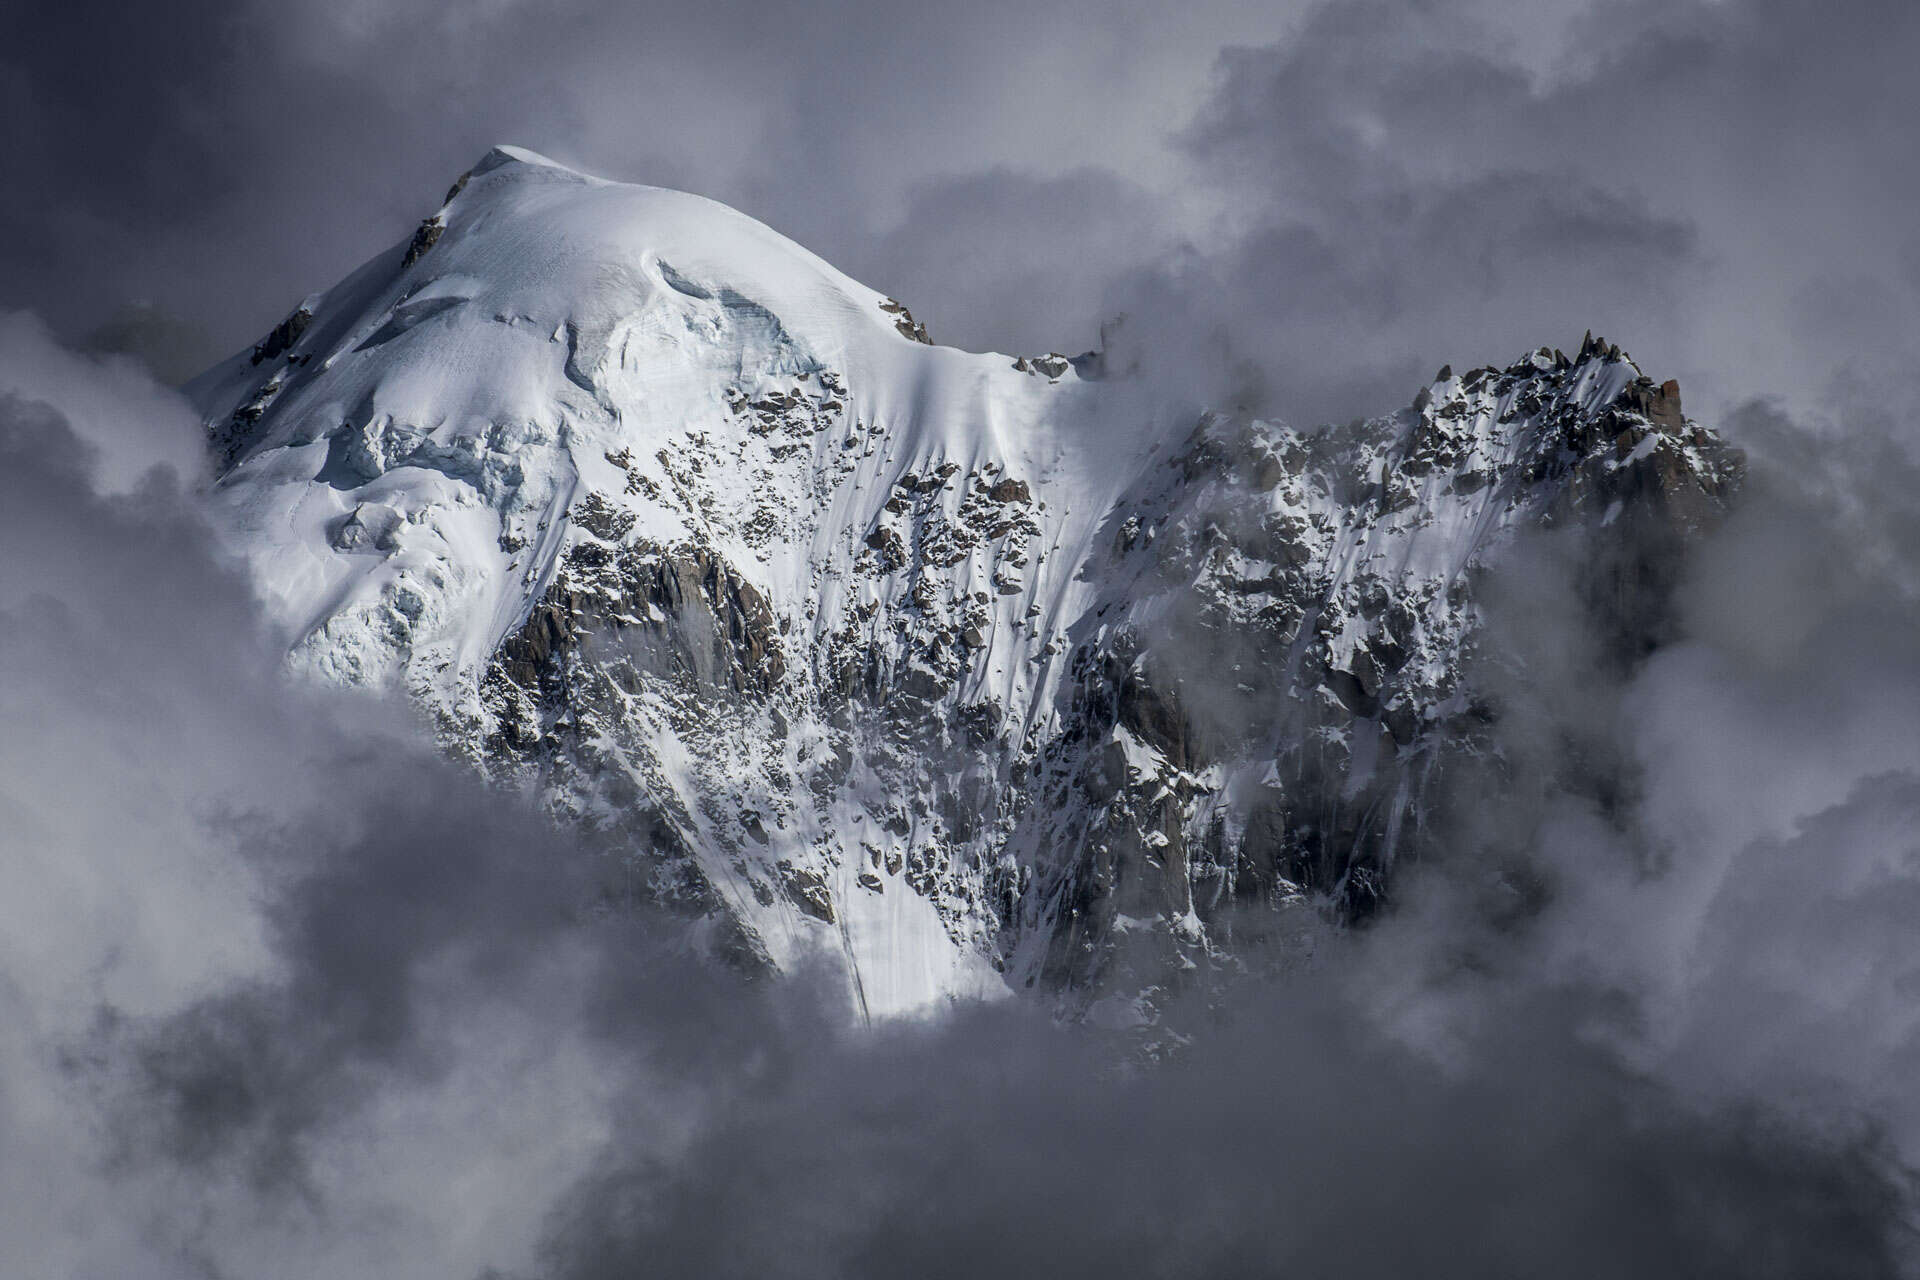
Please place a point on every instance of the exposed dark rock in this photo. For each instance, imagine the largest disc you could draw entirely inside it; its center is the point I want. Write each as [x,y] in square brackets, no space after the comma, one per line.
[903,321]
[424,238]
[1245,720]
[720,633]
[807,890]
[1660,406]
[602,518]
[283,336]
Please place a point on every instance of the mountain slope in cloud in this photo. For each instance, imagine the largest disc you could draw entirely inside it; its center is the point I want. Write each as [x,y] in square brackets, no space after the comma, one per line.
[966,672]
[286,995]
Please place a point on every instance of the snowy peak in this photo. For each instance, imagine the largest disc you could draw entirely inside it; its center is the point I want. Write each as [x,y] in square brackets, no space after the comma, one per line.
[970,672]
[506,154]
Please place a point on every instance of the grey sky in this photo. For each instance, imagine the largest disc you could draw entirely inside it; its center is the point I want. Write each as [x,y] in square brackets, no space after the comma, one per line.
[287,994]
[1721,185]
[225,158]
[223,1055]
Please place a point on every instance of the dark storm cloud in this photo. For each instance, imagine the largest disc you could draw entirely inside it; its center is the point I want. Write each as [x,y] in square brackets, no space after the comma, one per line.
[331,1005]
[1723,835]
[1364,190]
[284,994]
[1719,187]
[270,939]
[1010,262]
[1295,1141]
[221,159]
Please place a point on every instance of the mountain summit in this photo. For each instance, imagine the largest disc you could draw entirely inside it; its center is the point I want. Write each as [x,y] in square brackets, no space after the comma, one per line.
[962,672]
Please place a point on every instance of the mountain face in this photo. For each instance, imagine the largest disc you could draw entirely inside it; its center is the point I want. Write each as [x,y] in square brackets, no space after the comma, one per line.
[958,672]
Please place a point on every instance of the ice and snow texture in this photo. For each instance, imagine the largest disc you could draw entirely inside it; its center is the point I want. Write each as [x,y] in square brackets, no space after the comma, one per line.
[666,519]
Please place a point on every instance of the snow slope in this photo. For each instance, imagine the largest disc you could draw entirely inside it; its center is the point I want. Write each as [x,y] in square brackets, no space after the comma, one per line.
[868,650]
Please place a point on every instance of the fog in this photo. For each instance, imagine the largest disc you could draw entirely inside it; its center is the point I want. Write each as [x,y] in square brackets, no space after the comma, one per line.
[287,994]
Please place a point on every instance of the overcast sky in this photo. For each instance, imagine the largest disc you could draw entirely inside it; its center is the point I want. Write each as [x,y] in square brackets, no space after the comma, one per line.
[1344,195]
[284,994]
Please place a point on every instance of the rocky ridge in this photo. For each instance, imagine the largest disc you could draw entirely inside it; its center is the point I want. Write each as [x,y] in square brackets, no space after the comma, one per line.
[966,673]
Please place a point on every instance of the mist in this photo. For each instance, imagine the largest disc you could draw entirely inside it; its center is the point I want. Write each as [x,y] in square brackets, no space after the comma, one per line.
[286,993]
[291,994]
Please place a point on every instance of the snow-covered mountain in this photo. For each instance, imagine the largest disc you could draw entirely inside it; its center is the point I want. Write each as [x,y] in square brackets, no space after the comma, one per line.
[961,672]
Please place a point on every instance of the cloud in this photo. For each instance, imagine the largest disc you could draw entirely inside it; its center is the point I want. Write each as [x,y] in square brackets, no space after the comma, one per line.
[227,157]
[1401,186]
[1295,1139]
[287,992]
[265,960]
[284,992]
[1318,203]
[1008,261]
[1780,767]
[128,425]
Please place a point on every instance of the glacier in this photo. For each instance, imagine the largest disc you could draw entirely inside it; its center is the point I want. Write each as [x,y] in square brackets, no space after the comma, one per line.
[956,674]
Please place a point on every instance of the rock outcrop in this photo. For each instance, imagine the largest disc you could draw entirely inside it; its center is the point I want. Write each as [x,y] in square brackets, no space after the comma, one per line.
[973,674]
